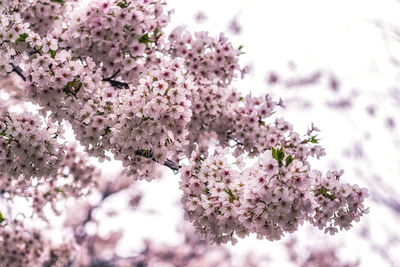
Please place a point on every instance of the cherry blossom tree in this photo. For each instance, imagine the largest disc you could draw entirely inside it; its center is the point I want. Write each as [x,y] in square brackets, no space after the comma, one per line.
[131,90]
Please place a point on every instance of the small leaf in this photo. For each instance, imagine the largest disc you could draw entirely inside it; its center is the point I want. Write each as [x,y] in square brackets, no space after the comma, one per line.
[313,139]
[2,218]
[122,4]
[323,191]
[22,37]
[280,154]
[144,39]
[58,1]
[107,130]
[274,153]
[289,159]
[59,190]
[53,53]
[157,33]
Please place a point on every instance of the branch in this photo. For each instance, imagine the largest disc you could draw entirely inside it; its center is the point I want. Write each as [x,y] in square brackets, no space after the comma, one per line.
[115,83]
[172,165]
[18,71]
[236,141]
[149,154]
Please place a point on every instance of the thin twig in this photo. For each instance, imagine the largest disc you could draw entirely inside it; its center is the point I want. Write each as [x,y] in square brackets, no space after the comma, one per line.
[233,139]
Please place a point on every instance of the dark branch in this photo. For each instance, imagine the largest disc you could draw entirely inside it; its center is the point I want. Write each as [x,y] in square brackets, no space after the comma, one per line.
[115,83]
[149,154]
[172,165]
[18,71]
[233,139]
[34,51]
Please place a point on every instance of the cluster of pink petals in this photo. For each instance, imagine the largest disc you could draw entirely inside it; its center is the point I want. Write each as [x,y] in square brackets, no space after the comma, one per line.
[270,198]
[27,148]
[121,35]
[205,56]
[21,247]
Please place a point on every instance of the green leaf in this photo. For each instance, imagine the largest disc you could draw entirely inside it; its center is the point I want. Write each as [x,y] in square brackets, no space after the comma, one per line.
[240,47]
[280,154]
[231,195]
[58,1]
[144,39]
[289,159]
[73,86]
[313,139]
[107,130]
[147,153]
[122,4]
[59,190]
[22,37]
[53,53]
[2,218]
[156,31]
[274,153]
[323,191]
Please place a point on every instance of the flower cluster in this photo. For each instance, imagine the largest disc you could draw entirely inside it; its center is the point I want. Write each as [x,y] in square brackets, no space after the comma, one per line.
[244,121]
[276,195]
[152,119]
[27,148]
[10,6]
[121,35]
[338,204]
[12,94]
[20,247]
[207,57]
[78,175]
[12,32]
[46,16]
[74,177]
